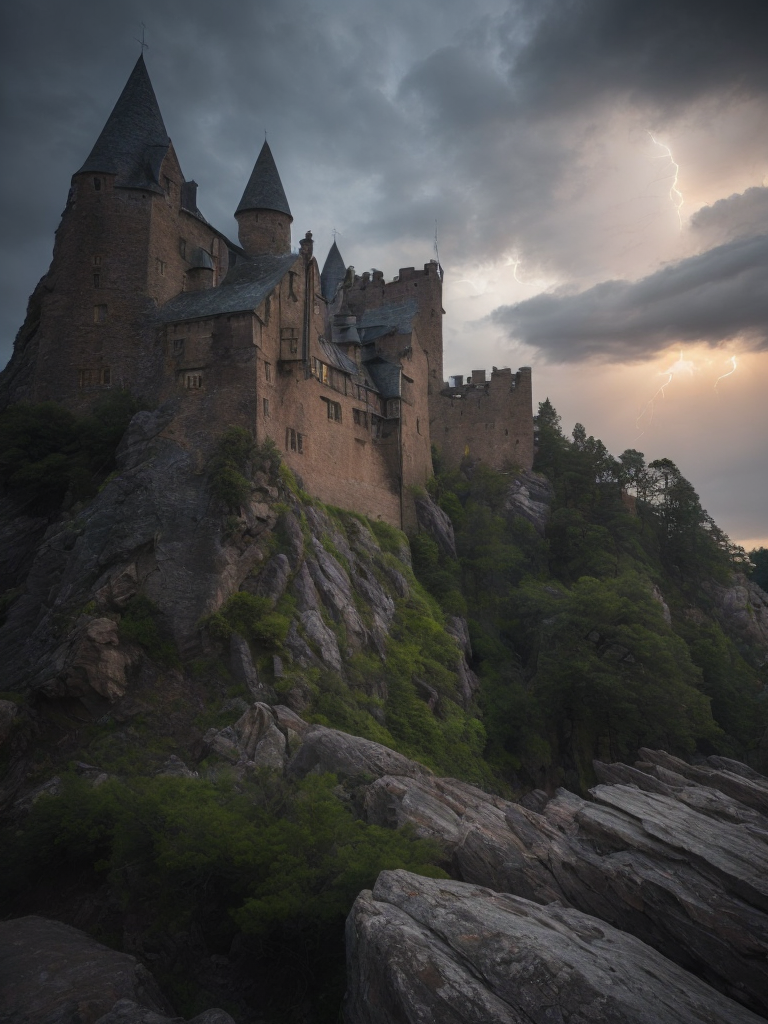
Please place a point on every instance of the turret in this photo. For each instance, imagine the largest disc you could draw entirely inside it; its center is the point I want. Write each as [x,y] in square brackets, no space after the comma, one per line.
[133,142]
[333,273]
[263,215]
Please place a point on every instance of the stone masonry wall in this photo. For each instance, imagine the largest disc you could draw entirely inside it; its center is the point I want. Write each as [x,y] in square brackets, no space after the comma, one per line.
[491,421]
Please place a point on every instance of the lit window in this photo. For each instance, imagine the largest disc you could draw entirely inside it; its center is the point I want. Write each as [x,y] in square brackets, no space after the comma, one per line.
[99,314]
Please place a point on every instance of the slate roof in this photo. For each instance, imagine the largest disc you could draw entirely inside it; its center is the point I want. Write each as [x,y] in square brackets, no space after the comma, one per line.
[385,375]
[337,358]
[333,273]
[134,141]
[264,190]
[244,288]
[394,315]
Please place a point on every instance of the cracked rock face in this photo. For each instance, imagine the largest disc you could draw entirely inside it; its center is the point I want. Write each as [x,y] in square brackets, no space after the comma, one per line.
[421,950]
[681,864]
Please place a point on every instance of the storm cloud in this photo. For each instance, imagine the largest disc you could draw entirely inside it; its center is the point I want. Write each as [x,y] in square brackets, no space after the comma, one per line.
[713,297]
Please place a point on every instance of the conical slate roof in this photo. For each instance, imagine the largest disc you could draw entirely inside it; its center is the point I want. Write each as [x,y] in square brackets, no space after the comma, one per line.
[134,141]
[333,273]
[264,190]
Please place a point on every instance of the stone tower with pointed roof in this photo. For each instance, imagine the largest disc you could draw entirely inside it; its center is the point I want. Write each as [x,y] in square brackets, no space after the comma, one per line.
[263,215]
[342,372]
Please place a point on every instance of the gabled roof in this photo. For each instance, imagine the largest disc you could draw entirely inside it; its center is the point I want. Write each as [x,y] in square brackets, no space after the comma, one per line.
[385,375]
[244,289]
[333,273]
[264,190]
[134,141]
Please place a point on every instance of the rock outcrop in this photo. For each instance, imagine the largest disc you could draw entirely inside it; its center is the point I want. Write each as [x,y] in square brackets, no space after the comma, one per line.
[530,497]
[683,867]
[55,974]
[422,950]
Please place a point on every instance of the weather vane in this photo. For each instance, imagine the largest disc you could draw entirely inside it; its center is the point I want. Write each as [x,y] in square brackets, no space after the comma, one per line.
[334,234]
[144,46]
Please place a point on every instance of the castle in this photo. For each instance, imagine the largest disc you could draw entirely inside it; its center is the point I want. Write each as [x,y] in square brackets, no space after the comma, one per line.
[344,372]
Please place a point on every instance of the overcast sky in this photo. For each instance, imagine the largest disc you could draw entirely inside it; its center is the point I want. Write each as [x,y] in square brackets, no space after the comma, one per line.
[598,172]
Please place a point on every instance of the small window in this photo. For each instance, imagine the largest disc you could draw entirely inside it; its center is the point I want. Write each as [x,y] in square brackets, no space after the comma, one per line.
[193,381]
[360,417]
[97,280]
[268,371]
[94,377]
[265,406]
[183,248]
[300,443]
[161,268]
[168,185]
[99,314]
[178,346]
[97,184]
[418,425]
[375,426]
[333,410]
[97,261]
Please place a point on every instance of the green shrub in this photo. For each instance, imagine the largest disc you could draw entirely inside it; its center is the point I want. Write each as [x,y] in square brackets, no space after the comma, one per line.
[250,617]
[235,450]
[141,623]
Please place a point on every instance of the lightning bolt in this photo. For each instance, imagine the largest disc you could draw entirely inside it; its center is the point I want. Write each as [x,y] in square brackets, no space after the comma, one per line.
[514,262]
[680,366]
[675,195]
[724,375]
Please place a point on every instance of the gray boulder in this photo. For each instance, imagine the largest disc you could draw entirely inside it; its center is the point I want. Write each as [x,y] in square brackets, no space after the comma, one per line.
[420,949]
[54,974]
[329,750]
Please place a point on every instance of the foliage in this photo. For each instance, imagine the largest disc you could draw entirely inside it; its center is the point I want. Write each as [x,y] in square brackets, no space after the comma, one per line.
[575,658]
[759,572]
[251,617]
[141,623]
[276,860]
[47,453]
[235,451]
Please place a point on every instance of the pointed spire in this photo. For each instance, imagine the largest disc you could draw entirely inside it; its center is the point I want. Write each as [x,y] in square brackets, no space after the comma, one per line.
[333,272]
[264,190]
[134,141]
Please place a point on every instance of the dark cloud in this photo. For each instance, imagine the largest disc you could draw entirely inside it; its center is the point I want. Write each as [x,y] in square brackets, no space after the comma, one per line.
[711,298]
[740,215]
[666,51]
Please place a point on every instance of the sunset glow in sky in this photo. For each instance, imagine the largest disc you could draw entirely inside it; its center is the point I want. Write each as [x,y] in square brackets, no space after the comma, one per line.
[598,173]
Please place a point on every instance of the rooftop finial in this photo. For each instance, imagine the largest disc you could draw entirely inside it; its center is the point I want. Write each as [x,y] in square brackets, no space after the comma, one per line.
[144,46]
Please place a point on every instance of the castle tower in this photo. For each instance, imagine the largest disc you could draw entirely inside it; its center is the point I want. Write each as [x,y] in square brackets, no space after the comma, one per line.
[333,273]
[130,239]
[263,215]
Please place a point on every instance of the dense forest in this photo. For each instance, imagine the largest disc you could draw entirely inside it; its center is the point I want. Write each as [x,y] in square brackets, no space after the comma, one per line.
[590,638]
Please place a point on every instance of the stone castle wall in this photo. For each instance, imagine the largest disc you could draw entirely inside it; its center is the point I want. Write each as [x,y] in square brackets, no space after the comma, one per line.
[486,420]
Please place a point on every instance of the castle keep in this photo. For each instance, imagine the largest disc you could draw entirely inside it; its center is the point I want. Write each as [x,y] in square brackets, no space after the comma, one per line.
[344,372]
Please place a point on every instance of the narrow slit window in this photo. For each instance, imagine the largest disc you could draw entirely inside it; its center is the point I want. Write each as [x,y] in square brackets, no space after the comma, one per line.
[99,314]
[268,371]
[97,184]
[97,280]
[300,443]
[265,406]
